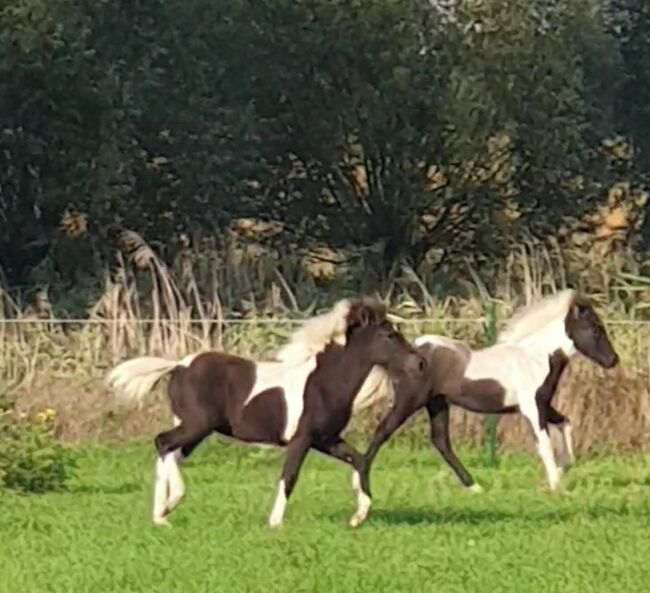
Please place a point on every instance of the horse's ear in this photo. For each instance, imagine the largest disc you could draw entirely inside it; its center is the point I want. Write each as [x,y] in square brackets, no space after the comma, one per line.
[376,311]
[356,315]
[580,308]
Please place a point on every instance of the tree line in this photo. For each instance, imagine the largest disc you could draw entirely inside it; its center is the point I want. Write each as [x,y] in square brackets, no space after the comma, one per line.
[431,129]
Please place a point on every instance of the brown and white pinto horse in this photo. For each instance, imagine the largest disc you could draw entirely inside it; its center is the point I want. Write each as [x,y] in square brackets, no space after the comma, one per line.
[518,374]
[304,401]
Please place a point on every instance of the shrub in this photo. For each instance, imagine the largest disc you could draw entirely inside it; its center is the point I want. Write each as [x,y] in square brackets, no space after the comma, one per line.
[31,460]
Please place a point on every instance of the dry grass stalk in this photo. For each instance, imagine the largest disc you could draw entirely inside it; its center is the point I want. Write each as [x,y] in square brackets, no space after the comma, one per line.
[149,307]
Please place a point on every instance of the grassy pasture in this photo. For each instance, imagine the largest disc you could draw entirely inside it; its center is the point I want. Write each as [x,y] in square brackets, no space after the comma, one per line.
[423,534]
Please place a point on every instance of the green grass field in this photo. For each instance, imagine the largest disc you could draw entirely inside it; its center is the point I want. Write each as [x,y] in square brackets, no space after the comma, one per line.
[424,532]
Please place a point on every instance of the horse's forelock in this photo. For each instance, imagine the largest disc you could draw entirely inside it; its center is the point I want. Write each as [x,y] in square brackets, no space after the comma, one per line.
[316,333]
[366,311]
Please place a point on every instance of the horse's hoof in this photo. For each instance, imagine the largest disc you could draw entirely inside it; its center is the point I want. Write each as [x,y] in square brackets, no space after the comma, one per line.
[476,488]
[555,487]
[161,522]
[356,521]
[275,522]
[358,518]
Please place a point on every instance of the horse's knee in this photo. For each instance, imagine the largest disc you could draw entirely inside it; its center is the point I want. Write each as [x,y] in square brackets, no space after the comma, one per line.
[161,443]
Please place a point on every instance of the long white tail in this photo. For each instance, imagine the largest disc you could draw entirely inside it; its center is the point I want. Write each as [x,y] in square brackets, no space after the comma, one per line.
[135,378]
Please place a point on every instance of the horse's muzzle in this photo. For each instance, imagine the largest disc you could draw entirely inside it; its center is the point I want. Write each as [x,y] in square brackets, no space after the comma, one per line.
[612,362]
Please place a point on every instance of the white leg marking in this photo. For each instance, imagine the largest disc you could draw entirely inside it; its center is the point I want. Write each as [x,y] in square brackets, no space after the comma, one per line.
[564,445]
[545,450]
[363,501]
[544,446]
[160,493]
[567,430]
[175,480]
[277,514]
[476,488]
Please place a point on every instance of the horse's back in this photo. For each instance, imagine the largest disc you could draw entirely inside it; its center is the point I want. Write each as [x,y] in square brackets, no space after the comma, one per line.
[213,381]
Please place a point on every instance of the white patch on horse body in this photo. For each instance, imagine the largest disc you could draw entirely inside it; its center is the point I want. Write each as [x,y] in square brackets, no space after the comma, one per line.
[289,377]
[520,358]
[277,513]
[443,341]
[521,373]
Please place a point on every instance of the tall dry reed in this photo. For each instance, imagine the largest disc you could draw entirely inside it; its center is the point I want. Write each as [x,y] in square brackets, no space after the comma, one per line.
[246,303]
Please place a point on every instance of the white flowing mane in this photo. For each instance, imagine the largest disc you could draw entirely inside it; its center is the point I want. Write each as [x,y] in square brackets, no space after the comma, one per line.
[315,333]
[536,316]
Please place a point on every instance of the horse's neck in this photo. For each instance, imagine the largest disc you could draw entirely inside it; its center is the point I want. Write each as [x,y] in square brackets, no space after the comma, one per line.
[549,339]
[351,376]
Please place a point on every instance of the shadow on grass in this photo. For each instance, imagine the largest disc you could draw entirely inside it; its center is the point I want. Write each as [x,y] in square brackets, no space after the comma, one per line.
[126,488]
[430,516]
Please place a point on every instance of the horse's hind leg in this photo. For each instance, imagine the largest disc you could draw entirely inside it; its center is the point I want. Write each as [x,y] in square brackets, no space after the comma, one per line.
[341,450]
[438,410]
[169,486]
[172,445]
[561,423]
[160,496]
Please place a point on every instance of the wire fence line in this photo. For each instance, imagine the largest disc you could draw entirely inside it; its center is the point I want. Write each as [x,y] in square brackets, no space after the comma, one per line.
[259,321]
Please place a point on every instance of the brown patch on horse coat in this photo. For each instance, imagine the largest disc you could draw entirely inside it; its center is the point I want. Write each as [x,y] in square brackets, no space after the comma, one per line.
[448,379]
[212,392]
[544,395]
[263,419]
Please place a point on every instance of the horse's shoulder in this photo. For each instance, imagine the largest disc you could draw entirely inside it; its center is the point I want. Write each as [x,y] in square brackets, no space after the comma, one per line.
[447,362]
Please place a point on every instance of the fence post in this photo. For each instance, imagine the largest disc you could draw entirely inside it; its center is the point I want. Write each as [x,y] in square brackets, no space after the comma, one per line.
[490,330]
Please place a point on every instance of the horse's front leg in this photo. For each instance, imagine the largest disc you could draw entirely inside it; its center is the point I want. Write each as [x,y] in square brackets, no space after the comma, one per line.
[341,450]
[401,411]
[562,424]
[438,410]
[296,452]
[538,419]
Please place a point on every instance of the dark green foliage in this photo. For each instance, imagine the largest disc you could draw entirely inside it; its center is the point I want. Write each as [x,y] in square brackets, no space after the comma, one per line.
[176,117]
[31,460]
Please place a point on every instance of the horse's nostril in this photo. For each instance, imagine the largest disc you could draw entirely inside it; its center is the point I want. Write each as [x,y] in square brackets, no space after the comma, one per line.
[422,365]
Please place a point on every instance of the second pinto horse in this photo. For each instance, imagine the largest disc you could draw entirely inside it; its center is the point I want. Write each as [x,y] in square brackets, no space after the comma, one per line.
[518,374]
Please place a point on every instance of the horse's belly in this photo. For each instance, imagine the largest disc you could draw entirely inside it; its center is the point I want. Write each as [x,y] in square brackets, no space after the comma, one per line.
[263,419]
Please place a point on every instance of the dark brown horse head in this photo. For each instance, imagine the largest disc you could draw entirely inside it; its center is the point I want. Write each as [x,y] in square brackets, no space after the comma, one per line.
[384,344]
[588,334]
